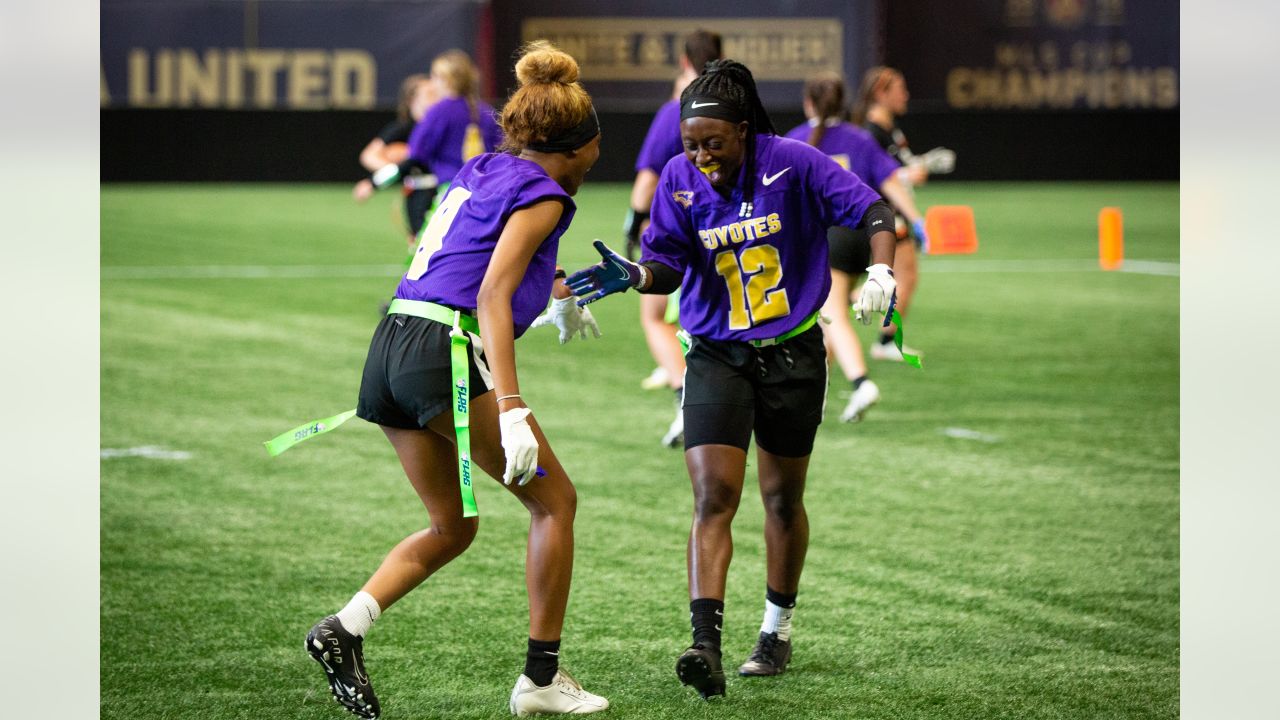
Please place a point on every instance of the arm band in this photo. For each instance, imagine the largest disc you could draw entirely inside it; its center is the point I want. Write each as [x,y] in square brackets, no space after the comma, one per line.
[560,274]
[877,218]
[385,175]
[666,280]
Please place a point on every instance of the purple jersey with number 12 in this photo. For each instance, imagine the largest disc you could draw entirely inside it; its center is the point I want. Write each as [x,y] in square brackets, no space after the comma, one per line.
[761,276]
[456,246]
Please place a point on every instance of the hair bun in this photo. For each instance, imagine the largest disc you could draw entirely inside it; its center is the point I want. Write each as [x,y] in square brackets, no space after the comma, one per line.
[542,64]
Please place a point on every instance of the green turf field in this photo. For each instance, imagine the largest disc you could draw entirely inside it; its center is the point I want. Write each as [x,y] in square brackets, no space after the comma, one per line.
[1023,566]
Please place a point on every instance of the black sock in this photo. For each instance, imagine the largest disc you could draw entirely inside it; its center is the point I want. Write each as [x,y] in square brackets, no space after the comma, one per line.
[782,600]
[542,661]
[857,382]
[886,339]
[707,617]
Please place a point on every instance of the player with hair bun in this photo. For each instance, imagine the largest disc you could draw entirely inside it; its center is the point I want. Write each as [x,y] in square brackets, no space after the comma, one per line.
[739,224]
[440,380]
[857,151]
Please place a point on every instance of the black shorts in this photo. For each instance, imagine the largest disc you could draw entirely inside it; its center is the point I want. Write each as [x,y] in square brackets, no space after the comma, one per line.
[416,205]
[407,378]
[850,250]
[732,389]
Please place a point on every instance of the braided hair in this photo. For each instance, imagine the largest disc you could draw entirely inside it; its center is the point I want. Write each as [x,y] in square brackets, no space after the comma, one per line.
[728,92]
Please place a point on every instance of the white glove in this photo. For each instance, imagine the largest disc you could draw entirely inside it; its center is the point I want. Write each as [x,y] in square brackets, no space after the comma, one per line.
[876,292]
[940,160]
[568,318]
[520,445]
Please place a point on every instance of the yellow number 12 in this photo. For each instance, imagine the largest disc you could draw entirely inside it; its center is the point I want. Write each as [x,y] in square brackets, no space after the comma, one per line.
[758,299]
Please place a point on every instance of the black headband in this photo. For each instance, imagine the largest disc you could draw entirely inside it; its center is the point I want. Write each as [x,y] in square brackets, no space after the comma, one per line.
[571,139]
[718,108]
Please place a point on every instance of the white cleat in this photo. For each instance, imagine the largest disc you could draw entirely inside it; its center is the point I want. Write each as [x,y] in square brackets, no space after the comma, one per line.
[863,398]
[889,351]
[657,379]
[675,433]
[563,695]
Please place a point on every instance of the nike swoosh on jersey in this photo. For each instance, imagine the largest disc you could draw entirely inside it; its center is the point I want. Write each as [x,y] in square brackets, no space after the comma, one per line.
[695,104]
[768,179]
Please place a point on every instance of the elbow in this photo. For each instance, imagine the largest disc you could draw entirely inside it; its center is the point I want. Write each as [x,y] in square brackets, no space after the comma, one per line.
[490,296]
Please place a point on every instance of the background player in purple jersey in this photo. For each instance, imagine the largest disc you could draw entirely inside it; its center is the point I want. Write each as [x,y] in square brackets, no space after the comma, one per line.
[391,147]
[857,151]
[739,223]
[457,128]
[484,269]
[662,143]
[881,99]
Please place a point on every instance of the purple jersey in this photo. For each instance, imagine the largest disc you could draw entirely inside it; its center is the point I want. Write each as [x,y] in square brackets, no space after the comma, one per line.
[757,277]
[853,148]
[456,245]
[662,142]
[437,140]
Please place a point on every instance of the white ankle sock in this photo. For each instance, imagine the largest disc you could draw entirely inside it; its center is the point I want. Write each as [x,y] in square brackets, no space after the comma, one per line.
[359,614]
[777,619]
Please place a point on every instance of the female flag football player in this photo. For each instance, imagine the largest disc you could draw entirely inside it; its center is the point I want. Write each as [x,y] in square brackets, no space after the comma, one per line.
[455,129]
[857,151]
[484,270]
[739,223]
[881,99]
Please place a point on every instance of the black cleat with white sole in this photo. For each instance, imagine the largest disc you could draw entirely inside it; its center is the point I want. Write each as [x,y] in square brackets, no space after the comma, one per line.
[769,657]
[699,666]
[341,654]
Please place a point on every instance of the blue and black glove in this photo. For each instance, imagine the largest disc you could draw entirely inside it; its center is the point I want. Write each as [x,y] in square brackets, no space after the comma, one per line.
[614,275]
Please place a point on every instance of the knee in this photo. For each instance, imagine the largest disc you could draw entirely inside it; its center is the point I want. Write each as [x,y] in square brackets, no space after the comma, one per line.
[456,535]
[561,506]
[714,500]
[785,508]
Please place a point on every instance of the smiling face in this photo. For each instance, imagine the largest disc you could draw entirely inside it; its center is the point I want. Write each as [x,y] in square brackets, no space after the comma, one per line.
[716,147]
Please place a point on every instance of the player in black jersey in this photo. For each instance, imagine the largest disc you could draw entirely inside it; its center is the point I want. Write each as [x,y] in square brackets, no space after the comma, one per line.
[391,146]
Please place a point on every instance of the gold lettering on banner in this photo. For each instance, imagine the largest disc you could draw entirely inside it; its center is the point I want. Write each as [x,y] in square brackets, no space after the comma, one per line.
[104,94]
[198,82]
[1028,76]
[354,79]
[626,48]
[301,79]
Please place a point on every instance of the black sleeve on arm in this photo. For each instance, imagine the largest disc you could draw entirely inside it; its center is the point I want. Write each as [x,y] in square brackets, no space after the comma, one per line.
[877,217]
[666,280]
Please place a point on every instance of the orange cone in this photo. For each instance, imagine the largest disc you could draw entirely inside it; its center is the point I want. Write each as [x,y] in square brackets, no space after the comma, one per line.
[1110,238]
[951,229]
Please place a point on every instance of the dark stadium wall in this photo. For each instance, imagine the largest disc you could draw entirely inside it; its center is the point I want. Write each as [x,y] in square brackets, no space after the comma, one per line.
[295,146]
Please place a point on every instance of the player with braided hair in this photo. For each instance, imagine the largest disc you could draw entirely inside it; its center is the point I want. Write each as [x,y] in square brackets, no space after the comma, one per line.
[739,224]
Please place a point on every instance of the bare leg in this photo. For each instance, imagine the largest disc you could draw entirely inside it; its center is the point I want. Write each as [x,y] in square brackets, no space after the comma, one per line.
[786,524]
[552,503]
[717,473]
[431,464]
[661,337]
[906,271]
[839,336]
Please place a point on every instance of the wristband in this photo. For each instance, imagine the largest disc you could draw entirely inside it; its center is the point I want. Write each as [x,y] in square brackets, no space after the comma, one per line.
[560,274]
[385,175]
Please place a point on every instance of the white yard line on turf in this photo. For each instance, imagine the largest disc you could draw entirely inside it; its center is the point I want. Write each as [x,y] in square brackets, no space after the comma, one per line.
[246,272]
[967,434]
[272,272]
[152,452]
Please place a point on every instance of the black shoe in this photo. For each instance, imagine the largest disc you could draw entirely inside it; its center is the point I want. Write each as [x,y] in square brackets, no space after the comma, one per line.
[699,666]
[341,654]
[769,657]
